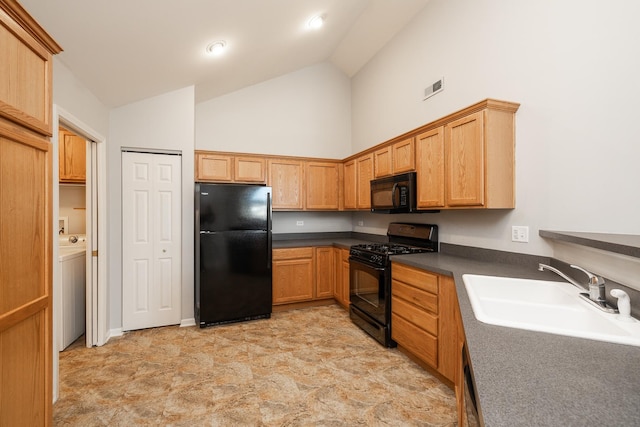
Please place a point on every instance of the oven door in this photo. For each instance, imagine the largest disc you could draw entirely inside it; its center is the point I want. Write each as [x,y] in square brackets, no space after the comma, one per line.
[368,289]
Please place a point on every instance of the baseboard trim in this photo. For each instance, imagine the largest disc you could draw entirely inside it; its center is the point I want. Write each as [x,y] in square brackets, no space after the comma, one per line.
[188,322]
[117,332]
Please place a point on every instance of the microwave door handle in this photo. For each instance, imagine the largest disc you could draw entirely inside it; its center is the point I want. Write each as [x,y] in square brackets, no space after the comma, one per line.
[393,194]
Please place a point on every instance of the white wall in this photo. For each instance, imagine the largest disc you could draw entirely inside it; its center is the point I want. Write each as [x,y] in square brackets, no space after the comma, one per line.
[71,94]
[312,222]
[572,65]
[72,206]
[304,113]
[162,122]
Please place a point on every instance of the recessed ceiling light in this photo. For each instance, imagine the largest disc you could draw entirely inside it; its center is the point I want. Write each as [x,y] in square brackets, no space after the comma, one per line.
[216,48]
[316,22]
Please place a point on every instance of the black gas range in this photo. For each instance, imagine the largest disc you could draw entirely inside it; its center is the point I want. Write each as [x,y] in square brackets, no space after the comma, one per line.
[370,275]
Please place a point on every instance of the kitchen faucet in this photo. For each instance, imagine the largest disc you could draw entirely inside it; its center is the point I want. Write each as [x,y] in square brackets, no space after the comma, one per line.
[595,287]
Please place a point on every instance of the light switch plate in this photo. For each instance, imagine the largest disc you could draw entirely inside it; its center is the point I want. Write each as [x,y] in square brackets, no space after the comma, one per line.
[520,233]
[299,223]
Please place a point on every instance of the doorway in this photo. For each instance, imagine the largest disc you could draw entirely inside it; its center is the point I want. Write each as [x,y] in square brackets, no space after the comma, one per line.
[95,226]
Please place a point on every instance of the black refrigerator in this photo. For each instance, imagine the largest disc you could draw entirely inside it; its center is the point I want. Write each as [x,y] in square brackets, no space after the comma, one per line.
[232,253]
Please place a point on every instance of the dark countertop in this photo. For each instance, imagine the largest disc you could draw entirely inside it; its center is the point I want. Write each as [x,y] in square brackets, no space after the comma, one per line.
[344,243]
[529,378]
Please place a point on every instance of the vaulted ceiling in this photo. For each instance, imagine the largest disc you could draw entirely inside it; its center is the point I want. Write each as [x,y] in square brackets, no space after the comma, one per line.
[127,50]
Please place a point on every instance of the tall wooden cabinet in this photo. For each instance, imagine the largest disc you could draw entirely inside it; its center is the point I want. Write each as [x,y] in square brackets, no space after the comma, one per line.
[25,219]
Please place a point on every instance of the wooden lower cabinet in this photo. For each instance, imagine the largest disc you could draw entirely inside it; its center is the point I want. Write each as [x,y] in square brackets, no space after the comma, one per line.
[303,274]
[341,289]
[325,272]
[293,275]
[423,319]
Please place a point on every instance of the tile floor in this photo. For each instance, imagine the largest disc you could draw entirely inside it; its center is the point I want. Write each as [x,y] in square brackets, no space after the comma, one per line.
[309,367]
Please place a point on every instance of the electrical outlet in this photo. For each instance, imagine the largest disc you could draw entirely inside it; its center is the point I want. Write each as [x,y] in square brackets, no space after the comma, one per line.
[360,223]
[520,233]
[299,223]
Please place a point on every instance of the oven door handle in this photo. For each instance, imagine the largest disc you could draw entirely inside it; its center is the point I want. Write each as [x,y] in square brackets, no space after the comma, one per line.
[364,264]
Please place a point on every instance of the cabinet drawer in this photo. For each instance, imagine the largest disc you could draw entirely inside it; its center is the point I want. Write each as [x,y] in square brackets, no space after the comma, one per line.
[418,278]
[418,342]
[423,300]
[413,314]
[292,253]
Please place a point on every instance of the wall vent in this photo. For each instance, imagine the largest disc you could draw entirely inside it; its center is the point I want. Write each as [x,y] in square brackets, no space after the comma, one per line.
[436,87]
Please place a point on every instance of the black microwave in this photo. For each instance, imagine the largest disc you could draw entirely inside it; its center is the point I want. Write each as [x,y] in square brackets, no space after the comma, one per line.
[394,194]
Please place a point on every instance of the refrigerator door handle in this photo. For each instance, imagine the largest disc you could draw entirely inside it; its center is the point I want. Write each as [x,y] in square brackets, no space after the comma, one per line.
[269,230]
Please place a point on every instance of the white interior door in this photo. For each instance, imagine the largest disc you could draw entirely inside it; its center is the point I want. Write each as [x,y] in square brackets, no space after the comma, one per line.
[91,203]
[151,240]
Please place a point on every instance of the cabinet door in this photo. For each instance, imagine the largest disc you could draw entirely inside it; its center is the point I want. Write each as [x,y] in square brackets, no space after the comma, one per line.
[450,329]
[350,185]
[322,186]
[403,156]
[26,293]
[464,153]
[72,156]
[249,169]
[430,168]
[286,179]
[383,162]
[325,272]
[346,277]
[293,275]
[214,167]
[364,167]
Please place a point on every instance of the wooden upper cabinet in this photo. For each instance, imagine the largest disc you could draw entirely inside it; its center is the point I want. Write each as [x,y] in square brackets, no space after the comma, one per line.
[286,178]
[72,154]
[430,168]
[468,161]
[214,167]
[349,184]
[383,162]
[322,189]
[249,169]
[395,158]
[404,156]
[229,168]
[26,56]
[464,155]
[364,172]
